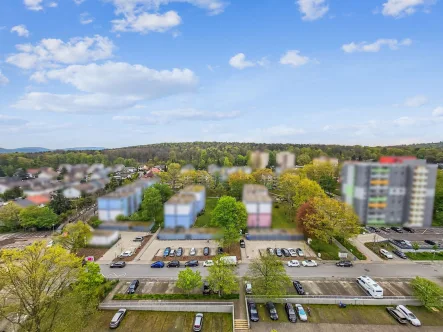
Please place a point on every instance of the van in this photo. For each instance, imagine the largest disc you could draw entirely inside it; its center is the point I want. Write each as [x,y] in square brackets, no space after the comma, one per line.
[198,322]
[370,287]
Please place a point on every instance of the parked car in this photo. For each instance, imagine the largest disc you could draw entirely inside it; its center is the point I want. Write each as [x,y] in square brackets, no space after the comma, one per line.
[206,288]
[133,286]
[385,229]
[399,253]
[198,322]
[409,315]
[242,243]
[127,253]
[292,252]
[219,250]
[272,311]
[158,264]
[371,229]
[118,264]
[166,251]
[386,253]
[432,243]
[172,253]
[298,287]
[192,252]
[253,313]
[344,264]
[292,317]
[300,252]
[409,229]
[191,263]
[377,230]
[208,263]
[206,251]
[179,252]
[50,243]
[309,263]
[270,251]
[173,264]
[301,312]
[138,239]
[278,252]
[294,263]
[397,314]
[397,229]
[285,252]
[117,318]
[248,288]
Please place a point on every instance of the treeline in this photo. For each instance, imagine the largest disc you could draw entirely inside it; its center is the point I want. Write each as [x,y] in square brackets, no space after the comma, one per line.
[202,154]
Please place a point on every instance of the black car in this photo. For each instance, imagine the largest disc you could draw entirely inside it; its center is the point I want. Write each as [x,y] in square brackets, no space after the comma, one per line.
[409,229]
[253,313]
[344,264]
[219,250]
[397,229]
[206,251]
[191,263]
[278,252]
[118,264]
[399,253]
[272,311]
[286,252]
[292,317]
[173,264]
[206,288]
[298,287]
[133,287]
[242,243]
[377,230]
[166,252]
[371,229]
[432,243]
[179,252]
[387,230]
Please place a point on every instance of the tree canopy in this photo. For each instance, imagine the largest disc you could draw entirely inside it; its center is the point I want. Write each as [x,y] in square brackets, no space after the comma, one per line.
[39,217]
[222,277]
[152,203]
[74,236]
[236,182]
[10,217]
[188,280]
[428,292]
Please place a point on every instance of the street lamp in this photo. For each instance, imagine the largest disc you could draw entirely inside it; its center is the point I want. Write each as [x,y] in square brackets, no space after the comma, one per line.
[53,228]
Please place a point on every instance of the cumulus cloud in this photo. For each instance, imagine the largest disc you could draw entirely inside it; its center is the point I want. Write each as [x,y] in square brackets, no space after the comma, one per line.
[294,58]
[376,46]
[35,5]
[53,52]
[145,22]
[438,111]
[20,30]
[53,4]
[86,18]
[416,101]
[401,8]
[239,61]
[312,9]
[3,79]
[78,2]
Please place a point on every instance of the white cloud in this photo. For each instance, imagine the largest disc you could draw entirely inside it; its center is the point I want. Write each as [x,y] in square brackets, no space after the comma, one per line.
[3,79]
[53,5]
[120,78]
[376,46]
[52,52]
[294,58]
[312,9]
[68,103]
[401,8]
[86,18]
[239,61]
[78,2]
[405,121]
[416,101]
[146,22]
[20,30]
[438,111]
[35,5]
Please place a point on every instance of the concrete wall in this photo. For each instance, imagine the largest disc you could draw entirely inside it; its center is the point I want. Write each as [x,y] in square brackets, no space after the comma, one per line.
[335,300]
[180,236]
[276,237]
[227,307]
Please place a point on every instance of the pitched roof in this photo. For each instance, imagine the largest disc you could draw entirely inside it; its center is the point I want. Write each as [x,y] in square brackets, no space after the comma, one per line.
[39,199]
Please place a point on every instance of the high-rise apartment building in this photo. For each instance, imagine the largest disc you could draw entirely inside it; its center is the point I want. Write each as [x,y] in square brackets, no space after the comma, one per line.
[395,190]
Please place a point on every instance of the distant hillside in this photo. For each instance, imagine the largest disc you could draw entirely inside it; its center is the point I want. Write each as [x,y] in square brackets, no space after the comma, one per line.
[38,149]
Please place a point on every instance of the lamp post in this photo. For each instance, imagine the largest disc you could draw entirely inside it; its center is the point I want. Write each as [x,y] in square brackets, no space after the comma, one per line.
[53,228]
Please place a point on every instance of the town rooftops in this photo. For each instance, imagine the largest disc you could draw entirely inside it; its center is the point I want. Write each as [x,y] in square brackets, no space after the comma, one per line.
[181,198]
[39,199]
[117,194]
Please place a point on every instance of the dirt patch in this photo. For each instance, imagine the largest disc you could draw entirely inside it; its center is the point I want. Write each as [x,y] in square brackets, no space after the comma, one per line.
[136,251]
[97,253]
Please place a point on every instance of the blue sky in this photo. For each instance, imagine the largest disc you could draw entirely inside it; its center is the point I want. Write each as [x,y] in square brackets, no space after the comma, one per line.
[117,73]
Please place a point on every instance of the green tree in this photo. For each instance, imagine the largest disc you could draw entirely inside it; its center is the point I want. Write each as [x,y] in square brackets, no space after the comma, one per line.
[236,182]
[303,159]
[428,292]
[287,184]
[165,191]
[152,203]
[415,246]
[10,216]
[328,183]
[34,216]
[59,203]
[74,236]
[304,191]
[438,200]
[222,277]
[188,280]
[268,276]
[172,176]
[227,162]
[13,193]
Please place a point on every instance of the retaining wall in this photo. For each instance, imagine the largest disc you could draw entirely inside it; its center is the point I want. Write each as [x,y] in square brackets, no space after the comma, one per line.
[225,307]
[393,300]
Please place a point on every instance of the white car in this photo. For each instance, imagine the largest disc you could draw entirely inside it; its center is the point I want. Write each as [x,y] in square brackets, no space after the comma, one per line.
[50,244]
[208,263]
[301,312]
[172,253]
[127,253]
[309,263]
[386,253]
[292,252]
[409,315]
[294,263]
[192,252]
[299,252]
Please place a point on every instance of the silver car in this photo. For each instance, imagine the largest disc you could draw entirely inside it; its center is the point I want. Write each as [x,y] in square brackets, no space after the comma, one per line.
[192,252]
[198,322]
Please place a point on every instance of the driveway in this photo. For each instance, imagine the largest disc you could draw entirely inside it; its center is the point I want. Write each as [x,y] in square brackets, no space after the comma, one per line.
[309,327]
[125,243]
[360,241]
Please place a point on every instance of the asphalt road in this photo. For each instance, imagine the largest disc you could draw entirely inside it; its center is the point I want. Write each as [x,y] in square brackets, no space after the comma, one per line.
[326,270]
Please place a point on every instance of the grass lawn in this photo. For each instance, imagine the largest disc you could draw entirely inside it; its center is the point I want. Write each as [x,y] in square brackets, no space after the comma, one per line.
[348,245]
[327,251]
[160,321]
[425,256]
[280,217]
[205,219]
[375,247]
[371,315]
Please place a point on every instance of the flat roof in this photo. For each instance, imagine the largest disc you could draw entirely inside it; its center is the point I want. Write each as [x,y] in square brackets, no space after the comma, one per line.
[193,188]
[181,198]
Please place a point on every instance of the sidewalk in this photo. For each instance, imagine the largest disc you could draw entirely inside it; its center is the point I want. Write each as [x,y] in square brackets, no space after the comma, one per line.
[364,250]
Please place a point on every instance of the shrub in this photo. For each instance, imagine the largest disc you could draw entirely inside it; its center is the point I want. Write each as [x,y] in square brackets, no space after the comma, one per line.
[94,222]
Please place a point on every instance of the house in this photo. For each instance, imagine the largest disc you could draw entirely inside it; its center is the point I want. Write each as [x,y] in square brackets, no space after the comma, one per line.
[23,202]
[155,170]
[130,169]
[95,168]
[47,174]
[40,200]
[32,172]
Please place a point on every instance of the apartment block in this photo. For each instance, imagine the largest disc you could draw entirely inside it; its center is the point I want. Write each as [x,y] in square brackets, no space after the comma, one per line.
[395,190]
[258,206]
[180,211]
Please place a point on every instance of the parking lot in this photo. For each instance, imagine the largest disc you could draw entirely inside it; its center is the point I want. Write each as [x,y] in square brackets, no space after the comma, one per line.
[253,248]
[152,286]
[20,240]
[125,243]
[421,234]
